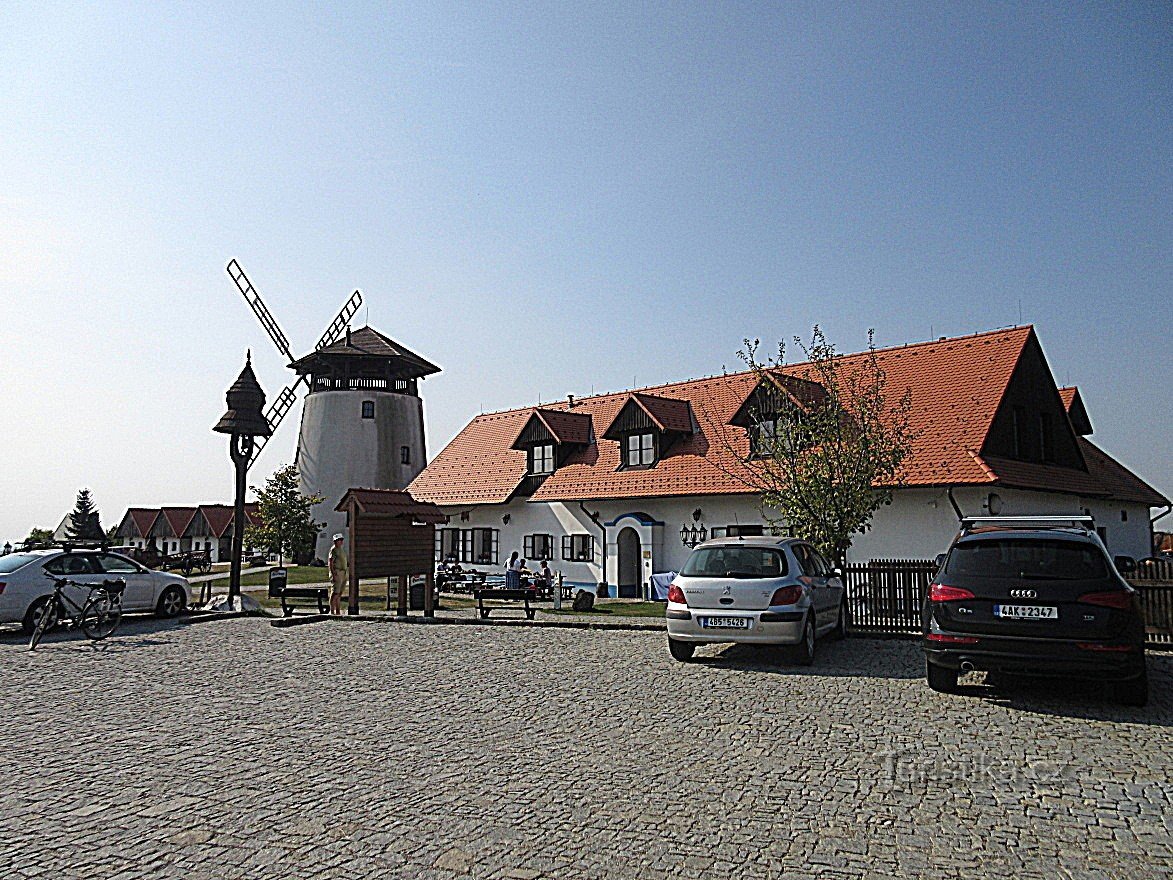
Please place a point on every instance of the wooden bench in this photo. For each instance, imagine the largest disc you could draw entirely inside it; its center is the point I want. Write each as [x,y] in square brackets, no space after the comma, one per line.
[505,595]
[306,593]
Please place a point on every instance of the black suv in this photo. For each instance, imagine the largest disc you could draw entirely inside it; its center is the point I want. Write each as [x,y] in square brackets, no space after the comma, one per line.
[1038,596]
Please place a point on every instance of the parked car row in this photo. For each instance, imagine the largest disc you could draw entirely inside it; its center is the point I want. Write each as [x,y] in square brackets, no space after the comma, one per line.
[1014,595]
[26,584]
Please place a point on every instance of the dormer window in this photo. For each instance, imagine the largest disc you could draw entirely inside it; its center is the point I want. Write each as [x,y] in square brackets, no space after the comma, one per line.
[641,450]
[646,427]
[776,415]
[541,459]
[548,438]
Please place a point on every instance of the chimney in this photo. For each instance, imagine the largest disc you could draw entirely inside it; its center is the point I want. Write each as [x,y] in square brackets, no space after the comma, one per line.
[570,401]
[348,336]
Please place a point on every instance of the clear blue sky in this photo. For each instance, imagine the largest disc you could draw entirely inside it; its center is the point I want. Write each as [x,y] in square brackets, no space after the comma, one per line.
[630,189]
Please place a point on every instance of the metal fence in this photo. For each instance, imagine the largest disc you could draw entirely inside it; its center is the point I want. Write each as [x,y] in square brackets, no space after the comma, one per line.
[885,597]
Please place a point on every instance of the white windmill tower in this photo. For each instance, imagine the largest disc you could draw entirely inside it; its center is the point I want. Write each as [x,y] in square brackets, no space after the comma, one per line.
[362,424]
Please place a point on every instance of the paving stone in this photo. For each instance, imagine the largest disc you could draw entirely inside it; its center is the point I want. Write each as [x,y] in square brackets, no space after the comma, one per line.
[234,749]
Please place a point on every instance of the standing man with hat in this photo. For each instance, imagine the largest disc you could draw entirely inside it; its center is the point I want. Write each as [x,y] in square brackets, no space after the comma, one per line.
[339,574]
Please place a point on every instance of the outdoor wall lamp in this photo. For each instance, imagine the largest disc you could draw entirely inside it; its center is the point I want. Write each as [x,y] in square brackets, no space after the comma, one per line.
[690,536]
[505,519]
[244,422]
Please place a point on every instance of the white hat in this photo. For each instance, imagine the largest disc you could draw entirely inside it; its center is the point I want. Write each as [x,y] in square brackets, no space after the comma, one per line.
[339,537]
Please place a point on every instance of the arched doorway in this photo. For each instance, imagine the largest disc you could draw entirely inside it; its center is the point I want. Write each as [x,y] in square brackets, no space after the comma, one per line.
[628,549]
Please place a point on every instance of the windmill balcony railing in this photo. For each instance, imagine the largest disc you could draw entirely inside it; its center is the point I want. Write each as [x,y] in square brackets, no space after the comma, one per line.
[358,383]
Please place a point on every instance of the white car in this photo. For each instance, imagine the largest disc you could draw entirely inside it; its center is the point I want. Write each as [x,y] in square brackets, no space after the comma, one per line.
[759,590]
[24,586]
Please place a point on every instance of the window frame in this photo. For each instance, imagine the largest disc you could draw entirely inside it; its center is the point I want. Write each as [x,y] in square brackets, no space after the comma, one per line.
[548,459]
[534,545]
[578,547]
[368,409]
[651,451]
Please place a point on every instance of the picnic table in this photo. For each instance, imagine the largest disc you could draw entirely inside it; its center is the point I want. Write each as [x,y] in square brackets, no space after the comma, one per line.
[502,594]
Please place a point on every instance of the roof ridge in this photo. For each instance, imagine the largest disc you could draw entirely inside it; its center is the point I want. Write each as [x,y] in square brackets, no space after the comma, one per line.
[647,389]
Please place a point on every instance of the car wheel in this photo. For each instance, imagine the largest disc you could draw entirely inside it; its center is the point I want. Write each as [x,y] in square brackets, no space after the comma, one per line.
[840,630]
[941,678]
[29,623]
[1134,692]
[679,650]
[803,654]
[171,603]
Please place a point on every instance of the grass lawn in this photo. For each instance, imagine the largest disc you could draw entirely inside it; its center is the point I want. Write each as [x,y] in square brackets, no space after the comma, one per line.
[372,594]
[614,609]
[300,574]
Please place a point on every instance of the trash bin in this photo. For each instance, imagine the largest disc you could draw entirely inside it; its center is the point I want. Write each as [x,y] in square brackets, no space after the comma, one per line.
[278,579]
[416,598]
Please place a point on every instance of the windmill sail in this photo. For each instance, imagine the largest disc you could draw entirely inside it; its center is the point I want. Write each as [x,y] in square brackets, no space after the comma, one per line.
[339,323]
[259,308]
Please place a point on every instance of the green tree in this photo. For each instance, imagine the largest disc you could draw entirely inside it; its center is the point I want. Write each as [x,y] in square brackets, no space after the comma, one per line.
[287,523]
[827,443]
[38,537]
[84,522]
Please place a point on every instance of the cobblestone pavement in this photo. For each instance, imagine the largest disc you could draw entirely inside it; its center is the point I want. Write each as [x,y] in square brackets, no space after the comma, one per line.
[342,749]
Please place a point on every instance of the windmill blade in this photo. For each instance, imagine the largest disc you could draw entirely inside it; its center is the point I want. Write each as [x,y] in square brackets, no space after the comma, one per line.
[259,308]
[339,323]
[276,412]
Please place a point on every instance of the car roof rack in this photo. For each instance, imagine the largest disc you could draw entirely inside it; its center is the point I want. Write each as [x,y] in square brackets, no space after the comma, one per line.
[1080,522]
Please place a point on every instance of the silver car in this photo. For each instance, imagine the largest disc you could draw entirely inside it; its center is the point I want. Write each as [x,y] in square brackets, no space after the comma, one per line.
[761,590]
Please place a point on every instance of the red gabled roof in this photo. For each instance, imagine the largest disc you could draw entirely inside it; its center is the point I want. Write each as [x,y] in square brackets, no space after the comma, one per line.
[218,517]
[956,386]
[666,413]
[1076,411]
[143,518]
[179,518]
[564,426]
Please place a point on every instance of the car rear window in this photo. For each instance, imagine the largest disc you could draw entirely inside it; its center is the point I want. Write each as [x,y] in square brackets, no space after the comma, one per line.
[13,561]
[744,562]
[1042,559]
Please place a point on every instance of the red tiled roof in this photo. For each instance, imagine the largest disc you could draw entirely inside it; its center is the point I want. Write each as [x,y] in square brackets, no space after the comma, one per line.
[566,427]
[956,386]
[392,502]
[1076,411]
[1117,480]
[143,518]
[218,517]
[178,519]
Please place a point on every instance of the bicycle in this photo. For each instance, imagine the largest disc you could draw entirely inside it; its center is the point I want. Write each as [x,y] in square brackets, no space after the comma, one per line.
[97,616]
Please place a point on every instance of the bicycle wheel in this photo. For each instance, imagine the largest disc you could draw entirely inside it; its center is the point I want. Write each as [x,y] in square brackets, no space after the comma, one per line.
[46,619]
[100,616]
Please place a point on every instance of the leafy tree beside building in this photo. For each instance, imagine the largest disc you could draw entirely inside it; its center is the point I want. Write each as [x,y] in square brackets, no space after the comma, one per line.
[287,524]
[826,441]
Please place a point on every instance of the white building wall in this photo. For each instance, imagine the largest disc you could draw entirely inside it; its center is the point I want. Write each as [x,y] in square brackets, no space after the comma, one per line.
[918,524]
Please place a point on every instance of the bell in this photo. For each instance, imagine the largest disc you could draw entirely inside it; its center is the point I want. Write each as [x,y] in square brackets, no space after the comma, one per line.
[246,404]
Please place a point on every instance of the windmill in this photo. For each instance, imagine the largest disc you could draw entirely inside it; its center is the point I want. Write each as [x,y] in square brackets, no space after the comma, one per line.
[362,421]
[284,401]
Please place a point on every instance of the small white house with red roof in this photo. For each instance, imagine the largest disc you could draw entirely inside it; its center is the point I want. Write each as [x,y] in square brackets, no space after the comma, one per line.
[609,487]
